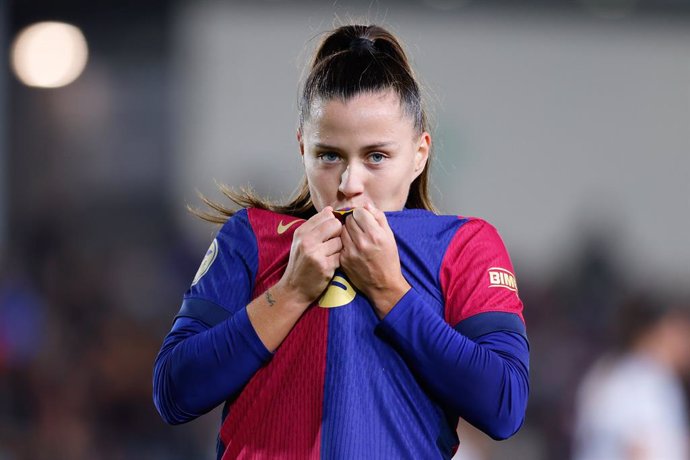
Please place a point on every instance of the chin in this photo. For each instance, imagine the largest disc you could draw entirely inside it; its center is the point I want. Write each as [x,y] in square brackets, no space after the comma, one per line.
[392,207]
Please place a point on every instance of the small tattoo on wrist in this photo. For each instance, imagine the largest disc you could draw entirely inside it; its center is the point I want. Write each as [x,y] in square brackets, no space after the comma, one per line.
[269,298]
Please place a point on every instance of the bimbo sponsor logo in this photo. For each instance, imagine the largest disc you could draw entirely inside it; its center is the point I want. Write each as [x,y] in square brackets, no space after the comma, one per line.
[500,277]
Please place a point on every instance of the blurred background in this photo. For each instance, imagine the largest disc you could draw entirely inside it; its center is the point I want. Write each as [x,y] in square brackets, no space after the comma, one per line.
[566,124]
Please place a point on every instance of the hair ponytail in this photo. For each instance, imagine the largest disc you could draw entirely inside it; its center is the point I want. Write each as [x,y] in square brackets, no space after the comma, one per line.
[350,60]
[359,59]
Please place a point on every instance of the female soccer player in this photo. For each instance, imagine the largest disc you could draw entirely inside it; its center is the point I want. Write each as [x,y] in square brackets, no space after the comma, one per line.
[352,322]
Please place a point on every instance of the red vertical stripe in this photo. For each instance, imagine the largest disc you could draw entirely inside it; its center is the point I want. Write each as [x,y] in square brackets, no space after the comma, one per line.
[278,413]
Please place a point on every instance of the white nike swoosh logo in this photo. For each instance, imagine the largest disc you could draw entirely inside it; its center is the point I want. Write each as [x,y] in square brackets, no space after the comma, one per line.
[282,228]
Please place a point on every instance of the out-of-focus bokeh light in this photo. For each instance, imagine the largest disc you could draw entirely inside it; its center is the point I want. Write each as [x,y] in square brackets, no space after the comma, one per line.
[49,54]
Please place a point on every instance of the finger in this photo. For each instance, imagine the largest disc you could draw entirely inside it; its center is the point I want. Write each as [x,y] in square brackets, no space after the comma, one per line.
[365,219]
[378,215]
[356,240]
[322,223]
[355,232]
[361,226]
[332,246]
[350,247]
[333,261]
[328,228]
[355,218]
[346,238]
[319,217]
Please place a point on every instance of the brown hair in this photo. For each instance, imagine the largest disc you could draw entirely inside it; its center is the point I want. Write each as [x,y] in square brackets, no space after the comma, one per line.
[351,60]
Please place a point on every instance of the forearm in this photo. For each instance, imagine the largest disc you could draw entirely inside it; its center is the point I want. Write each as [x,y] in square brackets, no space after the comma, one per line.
[274,313]
[199,367]
[485,382]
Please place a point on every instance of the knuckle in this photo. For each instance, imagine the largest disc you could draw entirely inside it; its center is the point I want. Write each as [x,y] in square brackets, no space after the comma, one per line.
[299,231]
[307,242]
[313,255]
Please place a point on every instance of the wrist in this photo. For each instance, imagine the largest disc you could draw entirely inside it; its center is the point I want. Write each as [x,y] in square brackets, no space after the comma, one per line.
[385,299]
[289,295]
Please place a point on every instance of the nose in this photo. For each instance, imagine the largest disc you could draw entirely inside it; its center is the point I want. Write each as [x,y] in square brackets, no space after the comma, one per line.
[352,181]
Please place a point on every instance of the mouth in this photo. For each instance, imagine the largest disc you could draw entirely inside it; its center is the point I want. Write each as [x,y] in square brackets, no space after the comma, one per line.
[346,206]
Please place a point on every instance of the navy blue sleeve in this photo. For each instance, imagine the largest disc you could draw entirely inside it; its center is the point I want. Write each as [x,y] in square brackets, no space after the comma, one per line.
[199,366]
[212,350]
[483,379]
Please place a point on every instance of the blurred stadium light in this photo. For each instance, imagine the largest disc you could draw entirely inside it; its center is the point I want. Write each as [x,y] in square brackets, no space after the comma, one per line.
[49,54]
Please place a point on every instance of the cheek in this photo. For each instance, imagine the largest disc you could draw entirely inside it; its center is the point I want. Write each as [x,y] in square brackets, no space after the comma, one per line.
[316,176]
[403,175]
[392,184]
[322,183]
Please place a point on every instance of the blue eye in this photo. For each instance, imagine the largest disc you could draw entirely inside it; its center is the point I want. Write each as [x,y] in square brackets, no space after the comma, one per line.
[329,157]
[377,157]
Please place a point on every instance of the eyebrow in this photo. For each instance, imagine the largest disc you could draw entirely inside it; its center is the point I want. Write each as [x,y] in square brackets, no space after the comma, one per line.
[376,145]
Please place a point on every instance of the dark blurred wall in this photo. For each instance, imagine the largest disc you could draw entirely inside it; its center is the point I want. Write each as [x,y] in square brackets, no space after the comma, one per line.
[93,266]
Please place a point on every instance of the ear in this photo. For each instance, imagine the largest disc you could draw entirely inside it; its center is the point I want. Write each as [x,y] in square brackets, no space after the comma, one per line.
[422,154]
[301,143]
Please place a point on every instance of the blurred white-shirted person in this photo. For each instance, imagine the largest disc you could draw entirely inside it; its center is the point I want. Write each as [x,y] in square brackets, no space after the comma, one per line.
[631,404]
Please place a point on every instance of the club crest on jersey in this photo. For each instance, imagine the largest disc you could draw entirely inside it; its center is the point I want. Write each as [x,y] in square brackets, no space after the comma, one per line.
[206,263]
[339,293]
[500,277]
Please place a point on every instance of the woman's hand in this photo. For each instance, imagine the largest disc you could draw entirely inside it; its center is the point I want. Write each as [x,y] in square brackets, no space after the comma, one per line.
[370,258]
[314,256]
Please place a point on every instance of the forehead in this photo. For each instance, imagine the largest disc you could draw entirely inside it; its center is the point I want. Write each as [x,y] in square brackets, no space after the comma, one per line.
[366,114]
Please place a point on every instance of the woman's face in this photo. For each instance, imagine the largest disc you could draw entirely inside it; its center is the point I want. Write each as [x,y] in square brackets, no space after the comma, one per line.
[362,150]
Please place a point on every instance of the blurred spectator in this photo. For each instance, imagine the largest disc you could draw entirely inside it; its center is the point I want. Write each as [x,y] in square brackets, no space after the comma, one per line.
[21,320]
[631,404]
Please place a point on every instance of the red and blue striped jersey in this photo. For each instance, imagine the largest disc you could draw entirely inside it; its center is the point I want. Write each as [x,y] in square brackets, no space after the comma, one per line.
[345,384]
